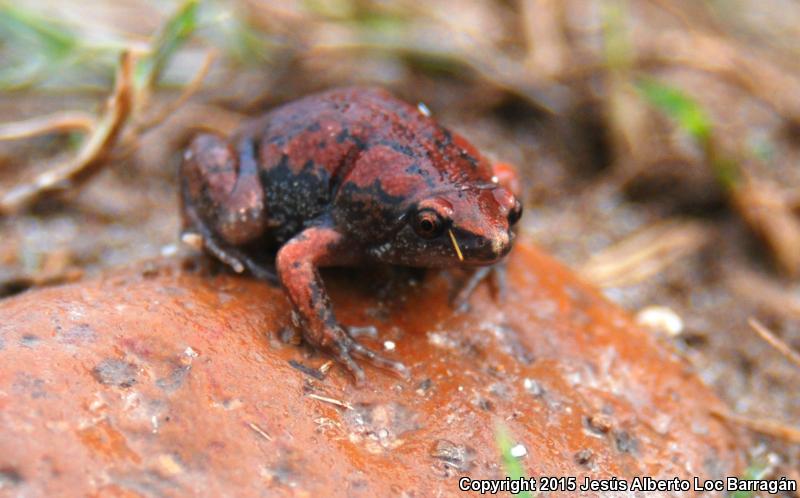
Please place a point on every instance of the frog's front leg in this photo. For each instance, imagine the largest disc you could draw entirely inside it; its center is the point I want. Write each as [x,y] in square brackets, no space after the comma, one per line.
[223,201]
[496,273]
[298,263]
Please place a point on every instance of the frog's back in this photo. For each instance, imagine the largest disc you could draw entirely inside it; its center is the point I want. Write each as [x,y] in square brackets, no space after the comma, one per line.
[307,150]
[304,150]
[322,129]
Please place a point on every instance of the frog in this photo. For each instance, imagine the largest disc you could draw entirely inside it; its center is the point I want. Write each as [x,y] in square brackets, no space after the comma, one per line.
[345,177]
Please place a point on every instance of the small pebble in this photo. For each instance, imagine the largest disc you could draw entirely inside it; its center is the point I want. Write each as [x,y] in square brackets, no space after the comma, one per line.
[424,110]
[532,387]
[519,451]
[169,250]
[193,240]
[660,318]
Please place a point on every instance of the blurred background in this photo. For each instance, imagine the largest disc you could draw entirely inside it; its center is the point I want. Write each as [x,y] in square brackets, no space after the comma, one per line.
[658,143]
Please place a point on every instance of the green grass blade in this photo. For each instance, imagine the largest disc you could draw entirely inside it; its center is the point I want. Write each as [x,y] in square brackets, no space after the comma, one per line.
[56,39]
[693,120]
[512,466]
[676,104]
[178,28]
[756,470]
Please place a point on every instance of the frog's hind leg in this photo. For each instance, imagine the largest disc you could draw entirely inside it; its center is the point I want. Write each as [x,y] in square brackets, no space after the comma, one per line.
[223,202]
[229,255]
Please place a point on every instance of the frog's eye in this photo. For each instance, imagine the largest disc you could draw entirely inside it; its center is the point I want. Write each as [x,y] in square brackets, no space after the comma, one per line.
[515,213]
[428,224]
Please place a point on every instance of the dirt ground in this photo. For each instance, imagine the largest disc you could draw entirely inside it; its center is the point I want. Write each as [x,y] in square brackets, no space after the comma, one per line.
[658,142]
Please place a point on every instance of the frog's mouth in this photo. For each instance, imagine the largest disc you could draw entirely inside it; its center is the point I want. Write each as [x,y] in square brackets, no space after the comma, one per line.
[473,249]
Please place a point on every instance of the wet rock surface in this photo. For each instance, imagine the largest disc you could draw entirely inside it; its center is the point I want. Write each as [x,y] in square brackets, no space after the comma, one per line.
[157,380]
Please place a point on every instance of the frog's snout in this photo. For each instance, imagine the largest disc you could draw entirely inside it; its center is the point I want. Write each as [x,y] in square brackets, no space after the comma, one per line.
[501,244]
[490,248]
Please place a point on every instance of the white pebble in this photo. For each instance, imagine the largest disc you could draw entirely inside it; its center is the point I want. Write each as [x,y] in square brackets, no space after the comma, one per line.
[424,110]
[660,318]
[519,451]
[169,250]
[193,240]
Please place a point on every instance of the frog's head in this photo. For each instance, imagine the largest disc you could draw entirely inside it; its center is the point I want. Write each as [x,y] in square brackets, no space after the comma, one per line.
[470,225]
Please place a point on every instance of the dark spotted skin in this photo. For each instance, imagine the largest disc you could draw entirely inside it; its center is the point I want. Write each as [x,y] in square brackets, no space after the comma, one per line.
[342,178]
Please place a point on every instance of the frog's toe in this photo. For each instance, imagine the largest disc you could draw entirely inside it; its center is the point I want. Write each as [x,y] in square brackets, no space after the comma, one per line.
[460,303]
[381,362]
[347,361]
[359,330]
[340,344]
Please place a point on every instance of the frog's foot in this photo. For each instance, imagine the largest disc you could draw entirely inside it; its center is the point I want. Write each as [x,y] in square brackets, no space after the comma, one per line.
[341,345]
[231,257]
[496,274]
[200,236]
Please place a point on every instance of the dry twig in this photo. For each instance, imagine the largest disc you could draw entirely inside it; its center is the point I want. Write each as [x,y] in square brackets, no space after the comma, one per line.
[58,122]
[764,208]
[194,85]
[258,430]
[645,253]
[91,156]
[142,125]
[775,341]
[761,425]
[332,401]
[764,292]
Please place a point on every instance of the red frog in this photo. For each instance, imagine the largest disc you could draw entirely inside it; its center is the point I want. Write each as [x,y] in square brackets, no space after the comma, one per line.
[346,177]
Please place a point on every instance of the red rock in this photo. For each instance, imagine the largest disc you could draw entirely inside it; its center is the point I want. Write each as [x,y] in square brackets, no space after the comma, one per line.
[159,381]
